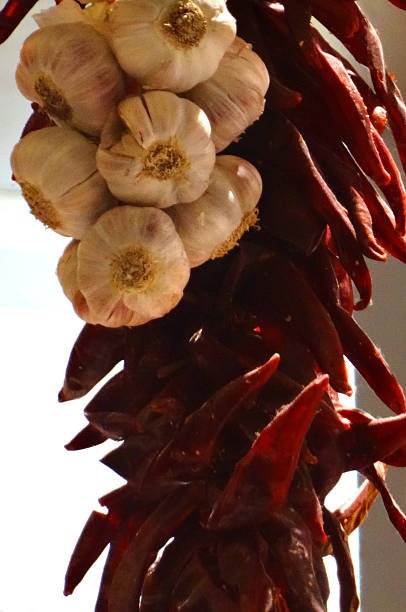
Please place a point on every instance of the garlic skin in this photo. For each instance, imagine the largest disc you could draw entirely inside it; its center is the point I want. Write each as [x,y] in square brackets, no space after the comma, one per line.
[67,270]
[69,69]
[233,98]
[212,225]
[169,44]
[156,150]
[67,11]
[67,275]
[56,169]
[131,268]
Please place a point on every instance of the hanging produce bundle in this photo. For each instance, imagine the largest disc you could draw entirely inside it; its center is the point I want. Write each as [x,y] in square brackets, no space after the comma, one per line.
[221,171]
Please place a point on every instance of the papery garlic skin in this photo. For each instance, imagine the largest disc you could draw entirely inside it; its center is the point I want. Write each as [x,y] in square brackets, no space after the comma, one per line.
[212,225]
[66,11]
[131,268]
[56,169]
[169,44]
[157,150]
[233,98]
[70,11]
[69,69]
[67,272]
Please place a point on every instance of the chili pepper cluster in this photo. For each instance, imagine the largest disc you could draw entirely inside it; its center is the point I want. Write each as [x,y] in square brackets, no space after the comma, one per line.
[227,408]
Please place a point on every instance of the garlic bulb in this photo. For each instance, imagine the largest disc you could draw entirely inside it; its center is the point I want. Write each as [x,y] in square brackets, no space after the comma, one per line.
[168,44]
[70,71]
[233,98]
[213,224]
[56,169]
[160,153]
[131,268]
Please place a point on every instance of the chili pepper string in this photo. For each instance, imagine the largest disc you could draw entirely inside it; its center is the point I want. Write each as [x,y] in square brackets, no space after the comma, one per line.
[227,412]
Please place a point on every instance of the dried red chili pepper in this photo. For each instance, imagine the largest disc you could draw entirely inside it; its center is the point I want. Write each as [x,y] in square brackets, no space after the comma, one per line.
[298,15]
[96,351]
[126,582]
[96,535]
[280,96]
[349,601]
[303,498]
[346,20]
[353,511]
[87,437]
[368,360]
[375,440]
[118,549]
[292,565]
[394,191]
[353,116]
[260,482]
[395,514]
[162,577]
[206,350]
[196,590]
[242,563]
[284,291]
[341,17]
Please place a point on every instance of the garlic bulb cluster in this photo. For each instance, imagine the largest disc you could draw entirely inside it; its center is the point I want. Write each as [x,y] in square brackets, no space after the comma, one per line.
[143,94]
[71,72]
[56,169]
[234,97]
[129,268]
[156,150]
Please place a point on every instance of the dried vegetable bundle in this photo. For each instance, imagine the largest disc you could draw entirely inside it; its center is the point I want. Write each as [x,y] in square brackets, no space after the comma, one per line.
[227,407]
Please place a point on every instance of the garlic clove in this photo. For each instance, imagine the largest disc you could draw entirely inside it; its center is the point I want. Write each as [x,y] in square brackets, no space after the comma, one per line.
[69,69]
[245,180]
[184,40]
[213,224]
[67,275]
[233,98]
[56,169]
[132,266]
[156,113]
[67,270]
[161,155]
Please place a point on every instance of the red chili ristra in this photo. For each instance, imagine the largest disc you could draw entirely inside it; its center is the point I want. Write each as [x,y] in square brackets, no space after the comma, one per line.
[221,452]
